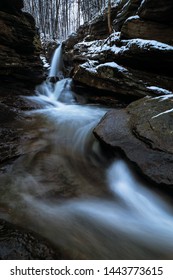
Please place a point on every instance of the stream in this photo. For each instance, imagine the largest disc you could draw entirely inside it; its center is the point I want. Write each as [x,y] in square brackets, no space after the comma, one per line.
[66,188]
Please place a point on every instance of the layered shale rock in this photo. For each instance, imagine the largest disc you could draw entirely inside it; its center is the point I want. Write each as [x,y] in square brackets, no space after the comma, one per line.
[159,11]
[20,71]
[142,46]
[19,49]
[136,27]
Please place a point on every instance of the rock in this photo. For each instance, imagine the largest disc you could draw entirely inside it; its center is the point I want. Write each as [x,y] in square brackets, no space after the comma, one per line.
[135,27]
[143,136]
[157,10]
[11,6]
[20,49]
[20,71]
[143,47]
[19,244]
[126,9]
[120,82]
[98,27]
[148,55]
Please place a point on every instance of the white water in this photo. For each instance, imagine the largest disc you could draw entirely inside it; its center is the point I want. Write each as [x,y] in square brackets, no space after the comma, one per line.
[65,189]
[56,64]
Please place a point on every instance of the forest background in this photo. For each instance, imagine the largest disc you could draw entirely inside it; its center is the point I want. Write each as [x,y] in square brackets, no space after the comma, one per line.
[56,19]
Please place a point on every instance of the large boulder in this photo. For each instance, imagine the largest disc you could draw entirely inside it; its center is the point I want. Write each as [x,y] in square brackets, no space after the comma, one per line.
[135,27]
[119,80]
[157,10]
[149,55]
[143,134]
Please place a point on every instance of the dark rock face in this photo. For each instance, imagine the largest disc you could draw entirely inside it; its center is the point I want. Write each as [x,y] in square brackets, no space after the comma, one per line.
[19,46]
[143,46]
[122,80]
[118,79]
[136,27]
[143,134]
[11,6]
[20,71]
[160,11]
[126,9]
[18,244]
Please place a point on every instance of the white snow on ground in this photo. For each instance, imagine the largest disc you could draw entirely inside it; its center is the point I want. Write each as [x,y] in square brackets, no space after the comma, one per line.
[113,65]
[45,63]
[132,17]
[160,90]
[141,4]
[98,46]
[92,66]
[164,97]
[145,44]
[165,112]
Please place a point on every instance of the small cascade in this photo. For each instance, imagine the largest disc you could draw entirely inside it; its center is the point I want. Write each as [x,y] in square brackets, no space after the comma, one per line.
[66,189]
[55,72]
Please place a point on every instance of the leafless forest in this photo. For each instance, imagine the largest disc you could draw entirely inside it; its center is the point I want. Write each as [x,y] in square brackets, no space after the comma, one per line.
[58,18]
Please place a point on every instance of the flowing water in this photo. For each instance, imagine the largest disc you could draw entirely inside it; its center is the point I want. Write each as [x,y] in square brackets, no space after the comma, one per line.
[66,189]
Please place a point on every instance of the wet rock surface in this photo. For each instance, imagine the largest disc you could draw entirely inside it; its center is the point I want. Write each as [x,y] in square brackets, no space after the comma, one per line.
[142,132]
[18,244]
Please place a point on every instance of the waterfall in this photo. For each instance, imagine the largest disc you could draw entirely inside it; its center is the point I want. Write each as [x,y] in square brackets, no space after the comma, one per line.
[65,188]
[56,64]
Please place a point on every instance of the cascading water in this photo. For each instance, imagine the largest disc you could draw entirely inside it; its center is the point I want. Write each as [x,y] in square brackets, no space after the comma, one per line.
[56,64]
[65,189]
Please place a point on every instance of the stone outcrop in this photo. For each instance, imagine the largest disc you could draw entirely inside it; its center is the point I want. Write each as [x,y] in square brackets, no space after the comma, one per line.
[136,27]
[126,9]
[19,49]
[20,71]
[142,46]
[143,134]
[134,62]
[19,244]
[159,11]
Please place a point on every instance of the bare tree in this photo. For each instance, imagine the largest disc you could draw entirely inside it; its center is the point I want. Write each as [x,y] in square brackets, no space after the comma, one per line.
[58,18]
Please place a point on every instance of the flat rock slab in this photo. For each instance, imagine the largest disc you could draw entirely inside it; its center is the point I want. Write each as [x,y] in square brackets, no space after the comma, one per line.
[142,136]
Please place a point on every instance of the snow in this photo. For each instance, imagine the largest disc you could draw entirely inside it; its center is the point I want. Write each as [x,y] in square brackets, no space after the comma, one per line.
[44,61]
[99,46]
[141,4]
[147,44]
[160,90]
[164,97]
[132,17]
[113,65]
[165,112]
[90,66]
